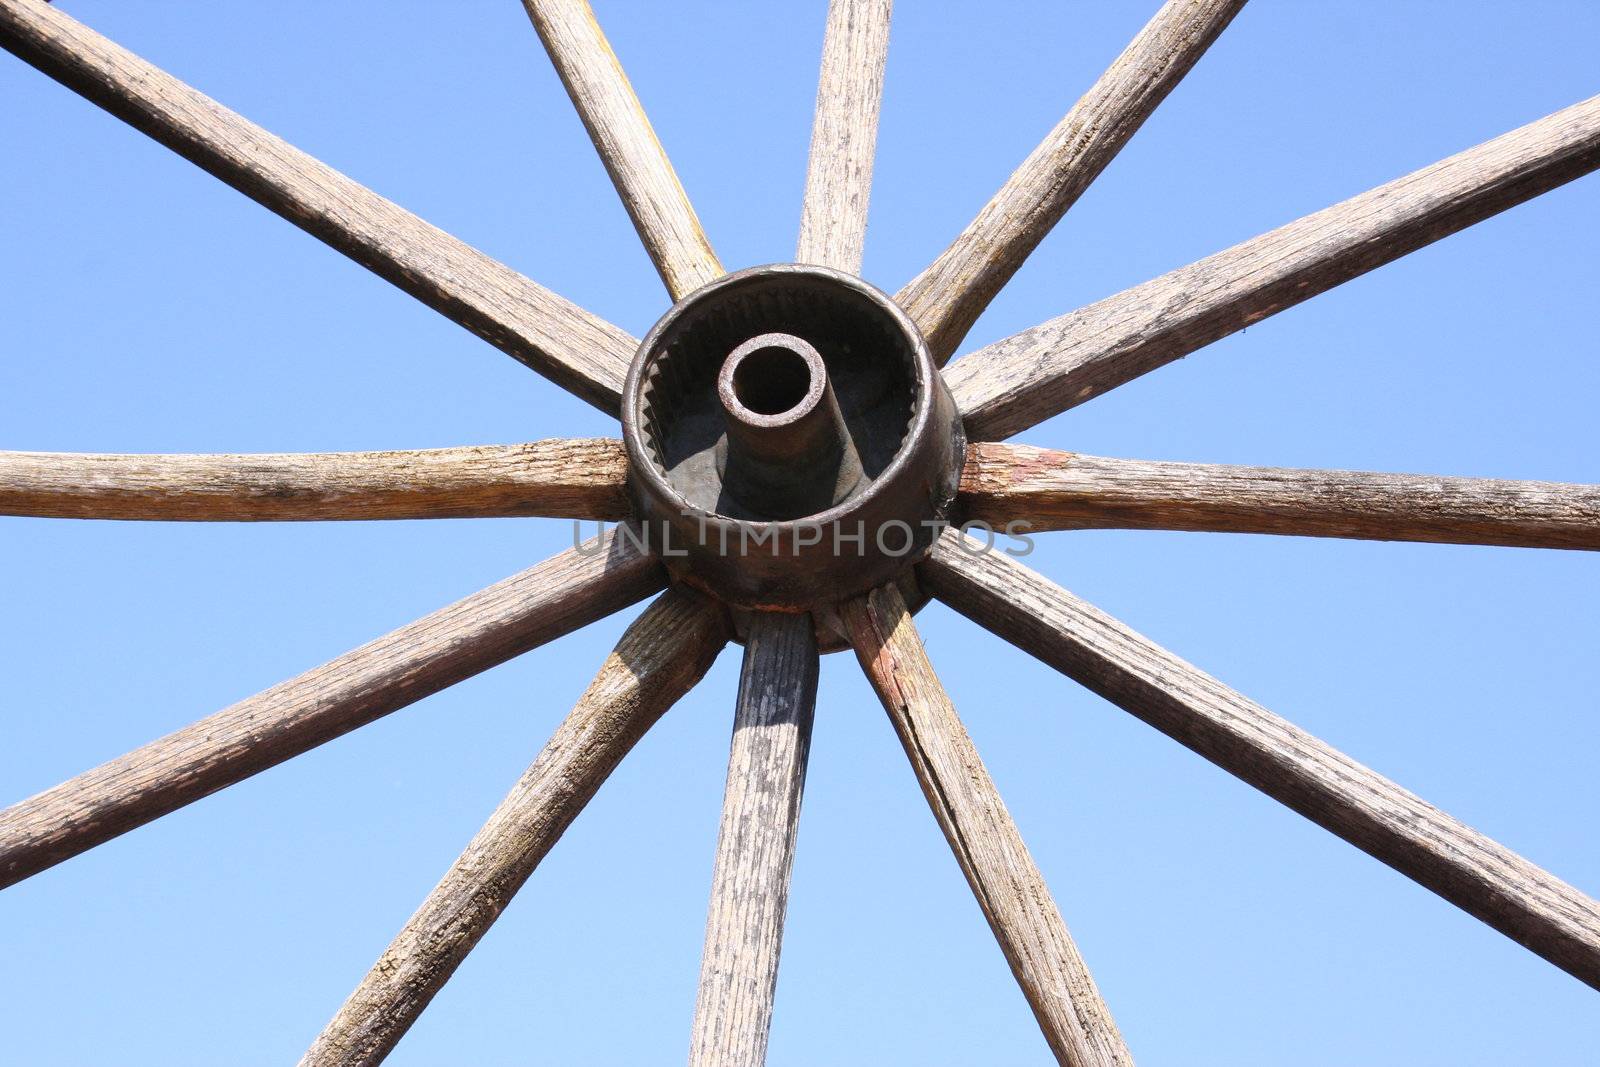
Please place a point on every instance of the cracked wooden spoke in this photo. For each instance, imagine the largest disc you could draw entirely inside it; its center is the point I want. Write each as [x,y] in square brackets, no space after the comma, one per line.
[755,848]
[627,144]
[844,134]
[506,619]
[1009,887]
[1483,878]
[1050,490]
[658,659]
[560,340]
[579,479]
[947,298]
[1010,385]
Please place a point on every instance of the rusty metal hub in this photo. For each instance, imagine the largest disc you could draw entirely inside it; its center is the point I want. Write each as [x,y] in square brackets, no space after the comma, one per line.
[790,441]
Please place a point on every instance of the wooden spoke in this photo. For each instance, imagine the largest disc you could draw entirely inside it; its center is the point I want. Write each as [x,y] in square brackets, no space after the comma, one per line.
[947,298]
[581,479]
[627,144]
[1474,873]
[1050,490]
[1009,887]
[1026,378]
[560,340]
[659,659]
[755,849]
[844,134]
[438,650]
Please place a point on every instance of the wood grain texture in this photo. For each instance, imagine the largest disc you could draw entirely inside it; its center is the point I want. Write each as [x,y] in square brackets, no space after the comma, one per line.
[1002,874]
[627,144]
[579,479]
[658,659]
[528,322]
[844,134]
[400,668]
[1014,383]
[755,848]
[1050,490]
[1474,873]
[947,298]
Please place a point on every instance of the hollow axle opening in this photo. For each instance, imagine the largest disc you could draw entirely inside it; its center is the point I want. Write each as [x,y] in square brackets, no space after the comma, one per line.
[789,452]
[772,379]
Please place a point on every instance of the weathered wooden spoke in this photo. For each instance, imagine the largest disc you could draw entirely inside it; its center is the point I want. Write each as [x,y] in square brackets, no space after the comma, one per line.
[1474,873]
[579,479]
[659,659]
[1002,874]
[844,134]
[627,144]
[1012,384]
[528,322]
[947,298]
[755,848]
[540,604]
[1050,490]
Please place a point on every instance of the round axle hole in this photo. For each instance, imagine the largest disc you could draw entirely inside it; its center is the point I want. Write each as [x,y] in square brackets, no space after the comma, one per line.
[772,380]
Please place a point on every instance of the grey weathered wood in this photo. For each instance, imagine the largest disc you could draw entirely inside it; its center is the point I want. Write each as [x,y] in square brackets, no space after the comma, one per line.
[528,322]
[627,144]
[659,658]
[1014,383]
[1483,878]
[844,134]
[1049,490]
[1002,874]
[947,298]
[580,479]
[755,848]
[400,668]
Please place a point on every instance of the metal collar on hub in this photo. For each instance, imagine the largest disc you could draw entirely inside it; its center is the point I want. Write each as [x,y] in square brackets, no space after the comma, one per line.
[790,441]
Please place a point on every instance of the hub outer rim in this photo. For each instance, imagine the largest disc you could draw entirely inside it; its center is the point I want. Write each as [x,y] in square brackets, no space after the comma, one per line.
[918,486]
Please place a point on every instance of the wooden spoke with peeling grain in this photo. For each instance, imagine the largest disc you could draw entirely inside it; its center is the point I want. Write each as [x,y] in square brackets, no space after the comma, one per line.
[1475,874]
[947,297]
[1002,874]
[1008,386]
[660,657]
[1043,489]
[400,668]
[844,134]
[526,321]
[755,848]
[558,478]
[627,144]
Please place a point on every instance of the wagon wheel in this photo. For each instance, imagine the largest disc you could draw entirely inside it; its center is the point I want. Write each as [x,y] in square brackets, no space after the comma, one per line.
[784,402]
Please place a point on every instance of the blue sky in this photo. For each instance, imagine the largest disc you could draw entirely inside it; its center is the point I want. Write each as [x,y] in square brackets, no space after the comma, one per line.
[146,307]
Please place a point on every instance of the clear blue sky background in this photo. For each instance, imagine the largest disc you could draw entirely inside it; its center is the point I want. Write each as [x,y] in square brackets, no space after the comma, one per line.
[146,307]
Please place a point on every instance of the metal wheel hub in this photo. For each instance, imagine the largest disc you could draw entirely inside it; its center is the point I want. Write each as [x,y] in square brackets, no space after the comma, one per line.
[790,441]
